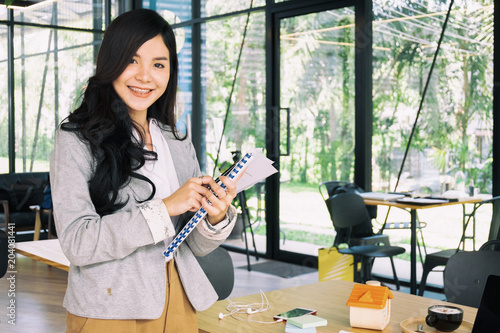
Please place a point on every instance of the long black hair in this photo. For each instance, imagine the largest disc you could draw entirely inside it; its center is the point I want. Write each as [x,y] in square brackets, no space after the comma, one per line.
[102,118]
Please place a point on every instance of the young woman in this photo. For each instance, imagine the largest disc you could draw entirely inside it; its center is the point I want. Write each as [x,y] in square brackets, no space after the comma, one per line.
[124,181]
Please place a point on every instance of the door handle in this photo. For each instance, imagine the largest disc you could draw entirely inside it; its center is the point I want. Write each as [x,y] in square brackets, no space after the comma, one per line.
[287,144]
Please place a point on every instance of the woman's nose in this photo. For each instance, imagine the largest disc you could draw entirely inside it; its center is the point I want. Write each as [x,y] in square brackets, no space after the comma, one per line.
[143,73]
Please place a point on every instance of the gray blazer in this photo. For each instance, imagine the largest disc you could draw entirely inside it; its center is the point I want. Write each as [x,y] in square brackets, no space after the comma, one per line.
[116,271]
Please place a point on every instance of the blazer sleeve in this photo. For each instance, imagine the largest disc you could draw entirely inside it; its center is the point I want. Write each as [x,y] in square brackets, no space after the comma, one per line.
[86,237]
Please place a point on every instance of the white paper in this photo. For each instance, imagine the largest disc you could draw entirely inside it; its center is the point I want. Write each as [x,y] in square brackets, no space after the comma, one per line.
[259,168]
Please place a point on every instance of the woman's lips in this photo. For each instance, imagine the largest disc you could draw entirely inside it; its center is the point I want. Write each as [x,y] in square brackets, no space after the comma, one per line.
[140,92]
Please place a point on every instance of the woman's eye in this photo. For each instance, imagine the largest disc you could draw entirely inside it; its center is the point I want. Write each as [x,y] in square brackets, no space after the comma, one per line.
[133,61]
[159,66]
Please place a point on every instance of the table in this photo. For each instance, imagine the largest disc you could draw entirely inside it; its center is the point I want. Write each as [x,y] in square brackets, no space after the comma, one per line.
[413,226]
[47,251]
[328,297]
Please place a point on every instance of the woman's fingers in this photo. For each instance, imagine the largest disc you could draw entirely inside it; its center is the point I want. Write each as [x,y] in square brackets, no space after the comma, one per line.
[187,197]
[204,192]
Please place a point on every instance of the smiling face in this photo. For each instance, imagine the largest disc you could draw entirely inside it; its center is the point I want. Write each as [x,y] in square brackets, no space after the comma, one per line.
[145,79]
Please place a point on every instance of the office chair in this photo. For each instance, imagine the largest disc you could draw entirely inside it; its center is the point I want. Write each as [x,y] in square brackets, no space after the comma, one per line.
[361,234]
[347,211]
[440,258]
[466,273]
[218,267]
[331,187]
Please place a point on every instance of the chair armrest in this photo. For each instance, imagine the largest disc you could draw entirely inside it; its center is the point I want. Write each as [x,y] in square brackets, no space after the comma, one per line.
[5,204]
[38,222]
[50,219]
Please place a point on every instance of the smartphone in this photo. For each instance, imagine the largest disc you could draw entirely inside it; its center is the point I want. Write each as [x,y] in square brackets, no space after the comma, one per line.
[297,312]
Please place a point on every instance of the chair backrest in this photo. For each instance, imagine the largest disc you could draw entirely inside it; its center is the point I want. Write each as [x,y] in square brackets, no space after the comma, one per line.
[330,186]
[466,273]
[349,217]
[495,219]
[334,187]
[218,266]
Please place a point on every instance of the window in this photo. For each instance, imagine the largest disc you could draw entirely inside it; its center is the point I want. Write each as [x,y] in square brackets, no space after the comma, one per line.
[452,144]
[55,44]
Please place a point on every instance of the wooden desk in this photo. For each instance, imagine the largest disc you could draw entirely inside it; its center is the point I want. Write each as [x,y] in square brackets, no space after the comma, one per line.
[329,298]
[47,251]
[413,227]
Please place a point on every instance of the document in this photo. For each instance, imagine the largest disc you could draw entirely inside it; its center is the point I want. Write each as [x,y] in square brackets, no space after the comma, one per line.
[259,168]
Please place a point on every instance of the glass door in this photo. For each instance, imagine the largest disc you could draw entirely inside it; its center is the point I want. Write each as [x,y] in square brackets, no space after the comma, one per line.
[317,117]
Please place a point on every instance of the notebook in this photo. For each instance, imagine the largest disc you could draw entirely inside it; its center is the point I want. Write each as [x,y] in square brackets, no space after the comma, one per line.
[256,167]
[381,196]
[488,313]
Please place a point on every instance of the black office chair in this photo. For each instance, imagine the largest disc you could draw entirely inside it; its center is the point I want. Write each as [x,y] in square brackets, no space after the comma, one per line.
[440,258]
[347,211]
[331,187]
[218,266]
[361,234]
[466,273]
[406,225]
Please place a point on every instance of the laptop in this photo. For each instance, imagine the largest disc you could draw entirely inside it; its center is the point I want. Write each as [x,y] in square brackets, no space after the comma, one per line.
[381,196]
[488,313]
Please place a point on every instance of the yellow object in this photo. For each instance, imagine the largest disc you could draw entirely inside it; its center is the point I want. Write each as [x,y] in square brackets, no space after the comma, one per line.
[333,265]
[367,297]
[372,297]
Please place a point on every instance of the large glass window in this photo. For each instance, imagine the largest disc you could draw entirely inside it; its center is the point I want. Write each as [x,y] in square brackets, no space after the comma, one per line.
[181,9]
[4,125]
[452,146]
[51,66]
[244,86]
[218,7]
[317,140]
[84,14]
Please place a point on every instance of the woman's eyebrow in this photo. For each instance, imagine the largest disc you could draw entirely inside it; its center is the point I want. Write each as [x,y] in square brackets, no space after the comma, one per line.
[155,59]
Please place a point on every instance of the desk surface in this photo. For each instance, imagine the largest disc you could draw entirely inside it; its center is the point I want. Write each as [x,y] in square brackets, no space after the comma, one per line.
[329,298]
[47,251]
[467,200]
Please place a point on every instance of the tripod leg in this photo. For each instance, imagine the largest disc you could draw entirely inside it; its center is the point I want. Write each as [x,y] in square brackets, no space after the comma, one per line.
[251,232]
[246,242]
[244,214]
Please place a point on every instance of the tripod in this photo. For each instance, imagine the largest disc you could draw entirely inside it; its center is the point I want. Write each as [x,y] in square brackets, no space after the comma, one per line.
[245,214]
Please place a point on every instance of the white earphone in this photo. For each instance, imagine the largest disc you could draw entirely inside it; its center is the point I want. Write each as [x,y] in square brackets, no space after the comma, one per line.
[221,315]
[235,308]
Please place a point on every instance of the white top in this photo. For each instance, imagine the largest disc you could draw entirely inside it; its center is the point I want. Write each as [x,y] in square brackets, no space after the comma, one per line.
[162,173]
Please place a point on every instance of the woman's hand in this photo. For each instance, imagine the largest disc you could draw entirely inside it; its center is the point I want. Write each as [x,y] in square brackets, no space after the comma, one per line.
[194,194]
[220,203]
[187,197]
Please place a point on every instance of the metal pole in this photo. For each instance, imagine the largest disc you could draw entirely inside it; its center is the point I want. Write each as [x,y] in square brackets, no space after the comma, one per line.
[10,90]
